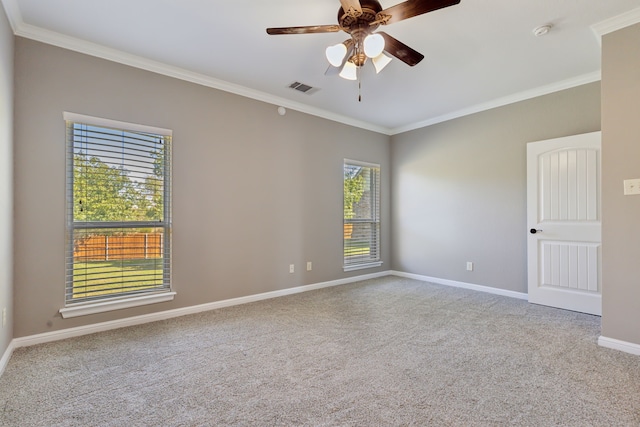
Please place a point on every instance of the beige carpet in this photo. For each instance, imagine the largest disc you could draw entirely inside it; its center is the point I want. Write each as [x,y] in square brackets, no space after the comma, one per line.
[385,352]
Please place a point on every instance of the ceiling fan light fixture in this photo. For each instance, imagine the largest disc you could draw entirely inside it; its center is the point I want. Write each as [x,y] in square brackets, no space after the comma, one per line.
[359,19]
[349,71]
[373,45]
[335,54]
[380,61]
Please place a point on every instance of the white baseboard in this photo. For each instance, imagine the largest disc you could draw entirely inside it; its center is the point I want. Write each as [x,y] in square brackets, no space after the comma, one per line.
[169,314]
[456,284]
[6,356]
[615,344]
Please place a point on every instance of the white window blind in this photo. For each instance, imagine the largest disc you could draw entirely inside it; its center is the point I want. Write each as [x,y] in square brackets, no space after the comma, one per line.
[361,224]
[118,210]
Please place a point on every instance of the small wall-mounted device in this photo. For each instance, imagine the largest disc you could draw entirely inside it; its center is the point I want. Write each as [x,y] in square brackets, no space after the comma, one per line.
[631,187]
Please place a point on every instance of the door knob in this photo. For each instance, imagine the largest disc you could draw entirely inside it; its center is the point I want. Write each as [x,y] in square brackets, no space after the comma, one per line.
[534,231]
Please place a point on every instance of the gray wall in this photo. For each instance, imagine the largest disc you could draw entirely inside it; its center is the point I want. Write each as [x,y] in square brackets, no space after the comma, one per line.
[620,161]
[6,179]
[253,191]
[459,188]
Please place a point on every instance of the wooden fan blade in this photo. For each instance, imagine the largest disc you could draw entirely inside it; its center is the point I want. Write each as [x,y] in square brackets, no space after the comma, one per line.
[400,50]
[411,8]
[351,7]
[304,30]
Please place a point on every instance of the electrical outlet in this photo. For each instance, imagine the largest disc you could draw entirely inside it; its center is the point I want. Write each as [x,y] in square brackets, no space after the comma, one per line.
[292,268]
[309,266]
[469,266]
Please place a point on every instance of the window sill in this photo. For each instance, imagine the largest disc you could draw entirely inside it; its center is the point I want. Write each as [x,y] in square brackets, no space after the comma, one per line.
[362,266]
[103,306]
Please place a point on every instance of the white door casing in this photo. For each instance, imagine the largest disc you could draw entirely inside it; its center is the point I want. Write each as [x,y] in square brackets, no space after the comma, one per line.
[564,220]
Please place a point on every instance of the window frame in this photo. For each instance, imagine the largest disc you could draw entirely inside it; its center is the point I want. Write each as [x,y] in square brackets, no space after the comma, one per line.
[374,259]
[128,298]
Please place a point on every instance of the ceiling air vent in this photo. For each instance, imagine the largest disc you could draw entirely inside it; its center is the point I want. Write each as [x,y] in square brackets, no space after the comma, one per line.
[301,87]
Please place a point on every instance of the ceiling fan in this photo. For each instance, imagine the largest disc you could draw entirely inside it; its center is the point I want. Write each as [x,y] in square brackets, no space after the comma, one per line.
[360,19]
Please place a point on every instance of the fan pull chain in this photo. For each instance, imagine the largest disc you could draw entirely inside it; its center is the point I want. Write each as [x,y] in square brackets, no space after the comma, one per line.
[359,85]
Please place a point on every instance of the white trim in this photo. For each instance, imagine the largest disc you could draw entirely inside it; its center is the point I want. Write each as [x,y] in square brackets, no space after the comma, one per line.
[153,317]
[506,100]
[615,344]
[616,23]
[104,306]
[71,43]
[4,361]
[116,124]
[170,314]
[354,267]
[361,163]
[456,284]
[66,42]
[12,10]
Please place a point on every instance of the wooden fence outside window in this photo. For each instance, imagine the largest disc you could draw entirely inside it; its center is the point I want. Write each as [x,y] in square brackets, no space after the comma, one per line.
[118,247]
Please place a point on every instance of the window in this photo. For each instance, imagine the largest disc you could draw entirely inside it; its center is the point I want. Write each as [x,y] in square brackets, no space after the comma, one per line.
[361,225]
[118,213]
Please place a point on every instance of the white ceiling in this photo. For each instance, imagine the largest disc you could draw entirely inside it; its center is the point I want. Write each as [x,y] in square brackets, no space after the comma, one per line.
[478,54]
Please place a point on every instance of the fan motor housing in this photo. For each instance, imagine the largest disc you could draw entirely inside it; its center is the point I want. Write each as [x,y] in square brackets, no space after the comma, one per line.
[370,9]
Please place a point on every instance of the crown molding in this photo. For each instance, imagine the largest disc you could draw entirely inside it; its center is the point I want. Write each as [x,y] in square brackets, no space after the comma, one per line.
[506,100]
[12,11]
[71,43]
[99,51]
[616,23]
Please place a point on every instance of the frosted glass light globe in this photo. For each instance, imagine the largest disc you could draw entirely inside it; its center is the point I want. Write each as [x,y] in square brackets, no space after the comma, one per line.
[349,71]
[373,45]
[335,54]
[380,61]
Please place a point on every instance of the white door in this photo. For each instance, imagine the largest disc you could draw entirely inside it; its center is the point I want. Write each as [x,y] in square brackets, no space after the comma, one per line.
[564,228]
